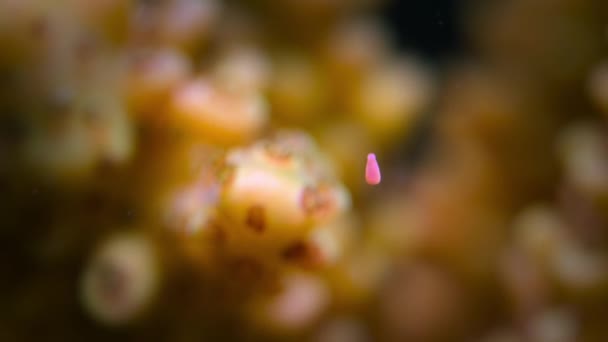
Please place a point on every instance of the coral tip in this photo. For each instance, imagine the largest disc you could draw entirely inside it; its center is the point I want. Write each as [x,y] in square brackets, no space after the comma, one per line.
[372,171]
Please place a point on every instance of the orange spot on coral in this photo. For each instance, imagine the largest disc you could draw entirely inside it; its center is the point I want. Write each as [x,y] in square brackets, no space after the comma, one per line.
[255,219]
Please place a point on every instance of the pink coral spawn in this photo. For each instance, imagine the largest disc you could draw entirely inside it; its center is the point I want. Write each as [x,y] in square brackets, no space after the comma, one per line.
[372,170]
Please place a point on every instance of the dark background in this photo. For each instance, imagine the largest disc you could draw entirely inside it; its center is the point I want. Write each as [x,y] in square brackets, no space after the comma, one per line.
[433,31]
[429,28]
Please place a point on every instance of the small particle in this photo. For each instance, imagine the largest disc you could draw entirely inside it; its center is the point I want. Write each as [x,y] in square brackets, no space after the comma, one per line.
[372,170]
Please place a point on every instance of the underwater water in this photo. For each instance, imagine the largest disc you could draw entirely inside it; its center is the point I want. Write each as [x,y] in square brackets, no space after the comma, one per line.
[195,170]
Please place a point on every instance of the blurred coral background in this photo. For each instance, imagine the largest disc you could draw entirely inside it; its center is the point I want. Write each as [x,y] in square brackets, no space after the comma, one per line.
[193,170]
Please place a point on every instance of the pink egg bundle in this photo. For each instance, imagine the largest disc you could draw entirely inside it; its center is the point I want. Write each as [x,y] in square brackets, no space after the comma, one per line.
[372,170]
